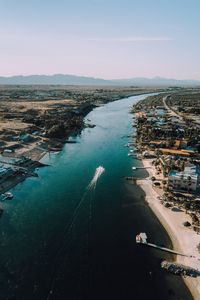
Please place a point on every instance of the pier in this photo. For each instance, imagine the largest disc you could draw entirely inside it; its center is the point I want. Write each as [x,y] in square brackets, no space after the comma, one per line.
[140,168]
[179,269]
[142,239]
[135,156]
[131,178]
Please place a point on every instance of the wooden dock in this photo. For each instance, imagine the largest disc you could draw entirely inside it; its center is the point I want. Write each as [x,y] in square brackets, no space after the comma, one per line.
[142,239]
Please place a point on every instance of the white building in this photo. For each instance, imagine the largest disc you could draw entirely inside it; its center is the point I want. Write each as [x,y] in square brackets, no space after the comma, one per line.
[186,180]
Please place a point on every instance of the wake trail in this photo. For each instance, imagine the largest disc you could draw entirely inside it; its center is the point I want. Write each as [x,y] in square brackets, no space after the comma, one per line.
[68,229]
[99,171]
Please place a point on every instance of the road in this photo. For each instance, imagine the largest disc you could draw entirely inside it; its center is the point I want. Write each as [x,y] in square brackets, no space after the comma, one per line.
[170,111]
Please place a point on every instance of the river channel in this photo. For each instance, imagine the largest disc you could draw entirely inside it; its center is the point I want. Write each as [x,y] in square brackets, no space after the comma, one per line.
[59,240]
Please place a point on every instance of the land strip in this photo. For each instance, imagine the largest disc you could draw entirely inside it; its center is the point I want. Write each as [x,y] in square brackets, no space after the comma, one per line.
[167,139]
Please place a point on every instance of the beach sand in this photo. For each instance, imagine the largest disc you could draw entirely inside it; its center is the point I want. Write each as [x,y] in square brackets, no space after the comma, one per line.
[184,239]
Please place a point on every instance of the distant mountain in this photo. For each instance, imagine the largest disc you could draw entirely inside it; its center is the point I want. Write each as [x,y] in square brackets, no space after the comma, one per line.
[53,79]
[60,79]
[157,81]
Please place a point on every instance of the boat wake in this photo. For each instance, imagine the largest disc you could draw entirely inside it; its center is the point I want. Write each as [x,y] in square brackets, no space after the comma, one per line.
[91,186]
[70,226]
[99,171]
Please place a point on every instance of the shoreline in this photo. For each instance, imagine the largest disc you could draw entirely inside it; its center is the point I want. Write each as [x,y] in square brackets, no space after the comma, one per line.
[14,181]
[37,154]
[183,239]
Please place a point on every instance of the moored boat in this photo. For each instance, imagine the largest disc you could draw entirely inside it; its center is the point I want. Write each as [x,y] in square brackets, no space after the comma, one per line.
[7,196]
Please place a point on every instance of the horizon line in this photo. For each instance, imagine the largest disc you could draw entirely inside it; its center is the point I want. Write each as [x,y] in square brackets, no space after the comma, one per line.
[100,78]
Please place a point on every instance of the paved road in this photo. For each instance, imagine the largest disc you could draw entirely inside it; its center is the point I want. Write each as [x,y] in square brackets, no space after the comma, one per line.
[170,111]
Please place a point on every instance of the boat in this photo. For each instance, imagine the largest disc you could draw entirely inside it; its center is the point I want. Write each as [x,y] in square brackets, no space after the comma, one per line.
[7,196]
[129,145]
[134,168]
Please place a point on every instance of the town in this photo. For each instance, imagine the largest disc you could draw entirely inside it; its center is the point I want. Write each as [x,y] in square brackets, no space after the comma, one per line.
[166,135]
[168,132]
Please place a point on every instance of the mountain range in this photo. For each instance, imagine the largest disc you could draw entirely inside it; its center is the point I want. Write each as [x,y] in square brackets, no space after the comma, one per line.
[61,79]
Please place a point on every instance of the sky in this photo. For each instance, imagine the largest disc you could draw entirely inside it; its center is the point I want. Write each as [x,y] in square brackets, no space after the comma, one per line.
[101,38]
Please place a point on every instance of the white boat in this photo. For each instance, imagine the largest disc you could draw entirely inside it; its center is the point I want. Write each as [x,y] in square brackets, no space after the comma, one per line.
[134,168]
[7,196]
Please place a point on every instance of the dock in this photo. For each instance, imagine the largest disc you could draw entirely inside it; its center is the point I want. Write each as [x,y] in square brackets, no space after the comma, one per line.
[140,168]
[142,239]
[179,269]
[131,178]
[135,156]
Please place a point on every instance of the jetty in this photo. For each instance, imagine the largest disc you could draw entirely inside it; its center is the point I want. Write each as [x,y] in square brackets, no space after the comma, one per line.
[140,168]
[131,178]
[179,269]
[142,239]
[135,156]
[130,144]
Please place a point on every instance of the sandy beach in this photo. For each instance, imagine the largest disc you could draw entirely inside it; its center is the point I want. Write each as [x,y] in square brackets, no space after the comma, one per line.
[184,239]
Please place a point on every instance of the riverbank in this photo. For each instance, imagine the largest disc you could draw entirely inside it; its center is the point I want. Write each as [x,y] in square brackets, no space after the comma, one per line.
[36,120]
[19,172]
[98,257]
[172,188]
[184,240]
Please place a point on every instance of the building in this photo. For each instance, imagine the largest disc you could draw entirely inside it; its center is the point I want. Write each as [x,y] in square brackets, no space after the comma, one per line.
[26,138]
[184,153]
[5,172]
[185,181]
[157,144]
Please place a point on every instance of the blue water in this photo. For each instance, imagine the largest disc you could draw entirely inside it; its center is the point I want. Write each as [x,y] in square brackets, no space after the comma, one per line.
[58,241]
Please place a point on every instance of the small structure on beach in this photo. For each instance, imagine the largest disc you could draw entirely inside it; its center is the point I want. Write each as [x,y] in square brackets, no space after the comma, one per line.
[141,238]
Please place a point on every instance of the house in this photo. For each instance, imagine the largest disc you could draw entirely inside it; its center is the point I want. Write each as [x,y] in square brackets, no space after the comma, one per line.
[157,144]
[185,181]
[26,138]
[177,144]
[193,168]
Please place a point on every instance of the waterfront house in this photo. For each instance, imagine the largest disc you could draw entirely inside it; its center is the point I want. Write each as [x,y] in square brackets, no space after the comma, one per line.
[185,181]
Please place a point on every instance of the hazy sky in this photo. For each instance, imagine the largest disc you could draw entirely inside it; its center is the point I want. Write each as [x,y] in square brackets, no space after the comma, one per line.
[101,38]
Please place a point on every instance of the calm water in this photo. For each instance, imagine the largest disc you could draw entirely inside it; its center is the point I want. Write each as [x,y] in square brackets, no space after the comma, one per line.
[44,255]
